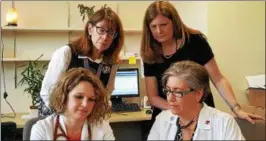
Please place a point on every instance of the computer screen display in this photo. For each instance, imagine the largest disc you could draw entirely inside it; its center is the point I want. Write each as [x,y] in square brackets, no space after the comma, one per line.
[126,83]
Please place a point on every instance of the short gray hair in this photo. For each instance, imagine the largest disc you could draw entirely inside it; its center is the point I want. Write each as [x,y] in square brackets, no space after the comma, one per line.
[195,75]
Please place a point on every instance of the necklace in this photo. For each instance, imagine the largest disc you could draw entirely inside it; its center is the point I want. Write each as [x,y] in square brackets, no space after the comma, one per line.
[187,125]
[169,56]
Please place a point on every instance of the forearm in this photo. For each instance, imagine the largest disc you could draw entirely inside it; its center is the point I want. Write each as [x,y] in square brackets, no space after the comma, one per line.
[159,102]
[225,90]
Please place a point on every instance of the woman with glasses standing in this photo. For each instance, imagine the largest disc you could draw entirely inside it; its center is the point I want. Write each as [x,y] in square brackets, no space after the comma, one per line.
[97,50]
[166,40]
[81,108]
[186,85]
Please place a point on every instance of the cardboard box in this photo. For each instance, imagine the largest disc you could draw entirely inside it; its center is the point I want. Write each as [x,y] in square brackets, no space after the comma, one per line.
[252,109]
[256,97]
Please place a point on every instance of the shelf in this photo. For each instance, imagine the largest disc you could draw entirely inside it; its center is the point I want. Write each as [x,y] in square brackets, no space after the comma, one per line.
[44,59]
[22,60]
[127,58]
[18,29]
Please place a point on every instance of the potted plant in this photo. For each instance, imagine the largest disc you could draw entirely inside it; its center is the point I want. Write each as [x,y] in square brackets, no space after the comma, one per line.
[86,11]
[32,76]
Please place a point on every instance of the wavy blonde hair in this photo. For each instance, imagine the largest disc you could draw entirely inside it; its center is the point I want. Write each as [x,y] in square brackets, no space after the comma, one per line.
[150,47]
[68,82]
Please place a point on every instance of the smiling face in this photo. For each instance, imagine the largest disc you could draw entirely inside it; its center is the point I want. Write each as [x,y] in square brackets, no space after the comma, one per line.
[102,34]
[184,105]
[80,101]
[161,28]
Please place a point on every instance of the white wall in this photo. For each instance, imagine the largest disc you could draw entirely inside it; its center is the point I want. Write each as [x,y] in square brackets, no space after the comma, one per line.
[233,37]
[236,32]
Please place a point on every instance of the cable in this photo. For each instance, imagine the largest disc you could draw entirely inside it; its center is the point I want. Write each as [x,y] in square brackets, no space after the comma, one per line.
[4,80]
[2,63]
[12,110]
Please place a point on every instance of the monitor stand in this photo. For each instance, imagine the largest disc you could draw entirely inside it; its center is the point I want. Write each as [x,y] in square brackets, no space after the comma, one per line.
[116,100]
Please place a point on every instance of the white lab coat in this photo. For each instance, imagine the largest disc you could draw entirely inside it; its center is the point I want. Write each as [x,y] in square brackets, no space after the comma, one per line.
[212,125]
[44,129]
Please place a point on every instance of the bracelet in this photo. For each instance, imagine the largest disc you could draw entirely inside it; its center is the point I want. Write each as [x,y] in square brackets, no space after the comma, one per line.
[236,105]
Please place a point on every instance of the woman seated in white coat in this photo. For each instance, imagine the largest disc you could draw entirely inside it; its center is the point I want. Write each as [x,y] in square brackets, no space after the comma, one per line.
[81,108]
[186,84]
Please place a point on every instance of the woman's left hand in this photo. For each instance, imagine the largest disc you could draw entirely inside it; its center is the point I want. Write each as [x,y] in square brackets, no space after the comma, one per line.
[247,116]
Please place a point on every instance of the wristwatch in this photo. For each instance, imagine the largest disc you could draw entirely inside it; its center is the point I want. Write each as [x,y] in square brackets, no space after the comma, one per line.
[234,106]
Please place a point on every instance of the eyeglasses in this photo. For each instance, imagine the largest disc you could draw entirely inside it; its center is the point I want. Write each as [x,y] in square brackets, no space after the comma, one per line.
[103,31]
[178,94]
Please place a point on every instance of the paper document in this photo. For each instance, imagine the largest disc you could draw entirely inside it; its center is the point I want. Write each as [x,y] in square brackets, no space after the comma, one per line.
[256,81]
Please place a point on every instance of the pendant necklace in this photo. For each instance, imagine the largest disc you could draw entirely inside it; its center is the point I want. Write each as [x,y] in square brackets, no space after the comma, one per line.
[169,56]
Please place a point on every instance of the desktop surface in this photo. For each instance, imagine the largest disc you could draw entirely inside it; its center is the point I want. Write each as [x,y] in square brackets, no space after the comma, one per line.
[115,117]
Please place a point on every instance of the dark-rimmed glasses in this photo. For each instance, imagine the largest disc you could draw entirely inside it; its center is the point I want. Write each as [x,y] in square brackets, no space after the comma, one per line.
[103,31]
[178,94]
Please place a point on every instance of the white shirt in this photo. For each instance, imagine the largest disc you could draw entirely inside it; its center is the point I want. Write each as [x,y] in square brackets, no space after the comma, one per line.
[44,129]
[212,125]
[59,63]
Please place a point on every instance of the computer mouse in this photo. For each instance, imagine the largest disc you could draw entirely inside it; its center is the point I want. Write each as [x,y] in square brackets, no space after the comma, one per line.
[148,111]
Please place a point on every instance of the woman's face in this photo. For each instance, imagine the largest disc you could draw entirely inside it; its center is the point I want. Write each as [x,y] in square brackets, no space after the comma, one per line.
[181,106]
[102,35]
[161,28]
[80,101]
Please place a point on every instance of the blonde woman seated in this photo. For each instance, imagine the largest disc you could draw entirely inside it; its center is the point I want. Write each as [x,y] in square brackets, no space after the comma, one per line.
[81,107]
[186,84]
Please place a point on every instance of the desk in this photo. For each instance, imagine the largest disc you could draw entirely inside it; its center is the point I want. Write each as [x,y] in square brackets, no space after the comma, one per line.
[126,126]
[115,117]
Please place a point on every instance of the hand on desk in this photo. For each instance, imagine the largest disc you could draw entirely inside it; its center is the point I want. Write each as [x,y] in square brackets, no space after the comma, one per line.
[248,116]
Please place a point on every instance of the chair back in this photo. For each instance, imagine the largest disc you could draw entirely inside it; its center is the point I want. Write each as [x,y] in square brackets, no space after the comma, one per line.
[8,131]
[27,127]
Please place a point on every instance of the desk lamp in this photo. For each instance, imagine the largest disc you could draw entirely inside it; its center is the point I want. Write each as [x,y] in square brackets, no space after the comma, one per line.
[12,16]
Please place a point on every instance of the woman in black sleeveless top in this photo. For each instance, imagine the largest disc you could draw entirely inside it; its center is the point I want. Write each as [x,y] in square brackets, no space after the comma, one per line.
[97,49]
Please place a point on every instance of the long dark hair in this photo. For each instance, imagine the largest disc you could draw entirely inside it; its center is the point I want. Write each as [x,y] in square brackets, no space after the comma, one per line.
[150,47]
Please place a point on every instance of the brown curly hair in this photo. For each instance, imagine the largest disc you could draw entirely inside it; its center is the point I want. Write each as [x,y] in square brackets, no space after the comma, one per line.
[68,82]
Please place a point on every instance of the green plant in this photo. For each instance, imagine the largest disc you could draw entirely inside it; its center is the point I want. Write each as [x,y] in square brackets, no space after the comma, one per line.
[32,75]
[87,11]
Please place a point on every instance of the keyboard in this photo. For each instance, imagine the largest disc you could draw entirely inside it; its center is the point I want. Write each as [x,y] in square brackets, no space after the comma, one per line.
[125,107]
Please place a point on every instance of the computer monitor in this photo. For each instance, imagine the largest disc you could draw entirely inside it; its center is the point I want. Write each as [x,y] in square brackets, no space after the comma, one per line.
[126,84]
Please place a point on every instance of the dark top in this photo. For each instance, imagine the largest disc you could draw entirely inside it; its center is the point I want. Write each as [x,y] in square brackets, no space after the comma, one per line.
[197,49]
[104,69]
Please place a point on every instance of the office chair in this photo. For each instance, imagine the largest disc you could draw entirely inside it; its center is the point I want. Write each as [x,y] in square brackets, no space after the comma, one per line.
[252,131]
[28,125]
[8,131]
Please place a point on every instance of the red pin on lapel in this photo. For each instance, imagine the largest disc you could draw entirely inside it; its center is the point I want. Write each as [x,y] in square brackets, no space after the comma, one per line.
[207,122]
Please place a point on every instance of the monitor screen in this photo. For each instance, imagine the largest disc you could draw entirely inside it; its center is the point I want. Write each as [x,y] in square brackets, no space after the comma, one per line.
[126,83]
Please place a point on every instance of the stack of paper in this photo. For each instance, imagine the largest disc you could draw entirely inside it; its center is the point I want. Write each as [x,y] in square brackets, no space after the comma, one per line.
[256,81]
